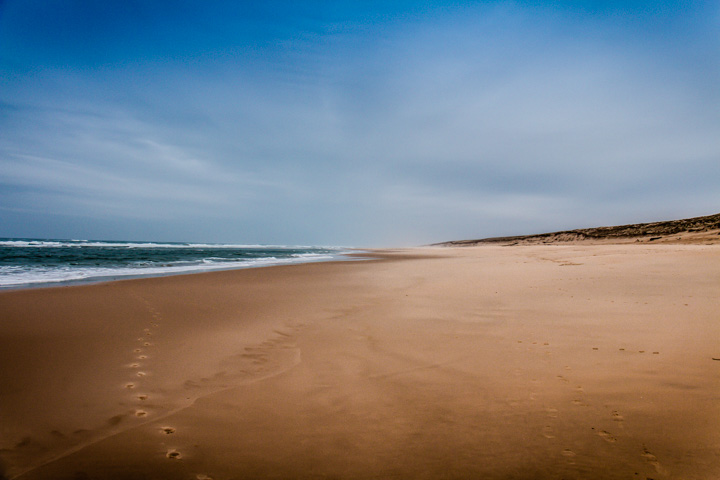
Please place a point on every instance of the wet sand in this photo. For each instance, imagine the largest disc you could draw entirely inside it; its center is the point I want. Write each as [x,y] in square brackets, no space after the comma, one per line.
[543,362]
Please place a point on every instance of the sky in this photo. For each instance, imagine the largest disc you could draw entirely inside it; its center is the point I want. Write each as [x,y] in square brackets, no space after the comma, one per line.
[365,123]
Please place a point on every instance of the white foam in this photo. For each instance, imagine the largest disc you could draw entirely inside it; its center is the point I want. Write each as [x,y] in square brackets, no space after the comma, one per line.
[19,276]
[103,244]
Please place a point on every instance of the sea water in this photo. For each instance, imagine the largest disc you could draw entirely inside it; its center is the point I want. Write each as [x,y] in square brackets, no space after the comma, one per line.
[41,262]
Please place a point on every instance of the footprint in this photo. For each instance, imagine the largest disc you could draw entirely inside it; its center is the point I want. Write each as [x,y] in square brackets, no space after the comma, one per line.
[257,358]
[141,374]
[142,397]
[115,420]
[202,476]
[134,365]
[567,453]
[173,455]
[142,357]
[129,386]
[617,417]
[649,456]
[191,384]
[652,460]
[551,412]
[137,350]
[141,413]
[167,430]
[607,436]
[548,432]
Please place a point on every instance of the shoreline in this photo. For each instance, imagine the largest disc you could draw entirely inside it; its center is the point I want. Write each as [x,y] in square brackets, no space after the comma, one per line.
[591,361]
[338,257]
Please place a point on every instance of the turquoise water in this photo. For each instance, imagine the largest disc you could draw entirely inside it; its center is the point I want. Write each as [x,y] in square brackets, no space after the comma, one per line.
[39,262]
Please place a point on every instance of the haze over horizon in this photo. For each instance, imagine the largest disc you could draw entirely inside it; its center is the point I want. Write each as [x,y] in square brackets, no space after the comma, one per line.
[354,123]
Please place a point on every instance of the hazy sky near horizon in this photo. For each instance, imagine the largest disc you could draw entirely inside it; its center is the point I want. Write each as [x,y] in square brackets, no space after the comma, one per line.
[354,123]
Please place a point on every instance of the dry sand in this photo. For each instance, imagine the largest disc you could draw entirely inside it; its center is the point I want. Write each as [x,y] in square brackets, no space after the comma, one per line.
[533,362]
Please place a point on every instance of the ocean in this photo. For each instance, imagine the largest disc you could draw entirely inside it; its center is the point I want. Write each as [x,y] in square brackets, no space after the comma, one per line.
[41,262]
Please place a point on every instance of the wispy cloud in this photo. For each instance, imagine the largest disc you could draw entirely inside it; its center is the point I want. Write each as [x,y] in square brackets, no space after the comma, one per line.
[360,124]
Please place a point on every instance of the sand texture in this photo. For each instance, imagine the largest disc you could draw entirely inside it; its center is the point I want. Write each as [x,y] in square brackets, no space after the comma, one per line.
[570,361]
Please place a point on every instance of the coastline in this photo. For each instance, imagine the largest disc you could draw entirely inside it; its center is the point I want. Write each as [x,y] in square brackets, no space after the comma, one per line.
[42,263]
[525,362]
[341,257]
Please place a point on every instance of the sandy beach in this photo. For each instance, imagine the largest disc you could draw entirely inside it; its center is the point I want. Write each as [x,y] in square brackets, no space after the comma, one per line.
[567,361]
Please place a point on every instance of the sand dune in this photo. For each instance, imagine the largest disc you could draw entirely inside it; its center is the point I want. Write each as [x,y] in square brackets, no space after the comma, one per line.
[541,361]
[690,230]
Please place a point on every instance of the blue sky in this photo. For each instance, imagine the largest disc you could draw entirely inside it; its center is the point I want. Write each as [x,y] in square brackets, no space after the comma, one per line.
[354,123]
